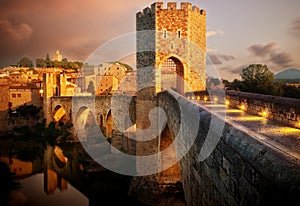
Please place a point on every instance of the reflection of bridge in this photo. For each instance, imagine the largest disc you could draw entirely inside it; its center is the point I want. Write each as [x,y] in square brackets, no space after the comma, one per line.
[99,187]
[244,166]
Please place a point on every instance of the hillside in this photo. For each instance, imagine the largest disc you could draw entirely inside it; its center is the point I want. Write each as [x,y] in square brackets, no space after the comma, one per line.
[288,74]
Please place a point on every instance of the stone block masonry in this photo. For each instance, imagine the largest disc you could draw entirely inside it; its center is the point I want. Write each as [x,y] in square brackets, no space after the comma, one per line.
[281,109]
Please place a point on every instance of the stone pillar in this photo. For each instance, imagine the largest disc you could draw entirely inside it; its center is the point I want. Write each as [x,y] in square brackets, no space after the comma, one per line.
[48,93]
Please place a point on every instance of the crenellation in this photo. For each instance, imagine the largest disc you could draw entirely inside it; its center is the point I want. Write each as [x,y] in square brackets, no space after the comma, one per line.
[203,12]
[139,15]
[186,6]
[146,10]
[172,6]
[157,5]
[196,9]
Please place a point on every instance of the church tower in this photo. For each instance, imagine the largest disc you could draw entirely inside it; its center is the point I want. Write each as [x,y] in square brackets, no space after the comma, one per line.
[57,56]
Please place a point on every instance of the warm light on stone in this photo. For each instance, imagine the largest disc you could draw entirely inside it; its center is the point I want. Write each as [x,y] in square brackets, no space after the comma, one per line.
[242,107]
[264,114]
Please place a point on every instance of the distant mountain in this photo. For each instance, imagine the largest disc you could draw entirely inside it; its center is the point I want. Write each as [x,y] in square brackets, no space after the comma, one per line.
[288,74]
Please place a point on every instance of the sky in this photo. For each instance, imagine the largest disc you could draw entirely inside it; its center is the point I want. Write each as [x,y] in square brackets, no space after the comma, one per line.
[239,33]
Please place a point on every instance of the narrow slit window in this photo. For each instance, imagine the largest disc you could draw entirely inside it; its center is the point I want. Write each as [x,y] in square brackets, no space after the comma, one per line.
[172,45]
[164,33]
[178,34]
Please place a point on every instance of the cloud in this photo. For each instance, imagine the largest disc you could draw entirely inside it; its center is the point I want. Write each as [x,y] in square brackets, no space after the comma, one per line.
[233,69]
[214,32]
[226,57]
[21,31]
[282,59]
[262,50]
[295,27]
[75,27]
[271,54]
[216,58]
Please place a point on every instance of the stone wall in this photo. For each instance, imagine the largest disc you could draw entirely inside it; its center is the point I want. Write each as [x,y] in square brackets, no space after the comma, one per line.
[241,170]
[284,110]
[4,99]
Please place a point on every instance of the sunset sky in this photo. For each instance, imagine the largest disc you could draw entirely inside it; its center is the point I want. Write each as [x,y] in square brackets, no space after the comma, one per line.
[238,32]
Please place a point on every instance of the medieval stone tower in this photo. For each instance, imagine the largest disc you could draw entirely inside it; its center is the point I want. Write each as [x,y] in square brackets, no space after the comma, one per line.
[171,46]
[172,40]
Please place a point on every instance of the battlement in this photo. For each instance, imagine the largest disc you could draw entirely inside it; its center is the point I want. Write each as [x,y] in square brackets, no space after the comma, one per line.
[171,6]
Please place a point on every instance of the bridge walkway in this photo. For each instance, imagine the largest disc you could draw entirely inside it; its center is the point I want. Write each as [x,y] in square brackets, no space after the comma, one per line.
[284,138]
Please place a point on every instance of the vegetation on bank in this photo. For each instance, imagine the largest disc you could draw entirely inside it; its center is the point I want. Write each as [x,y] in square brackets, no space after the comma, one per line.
[257,78]
[48,63]
[40,132]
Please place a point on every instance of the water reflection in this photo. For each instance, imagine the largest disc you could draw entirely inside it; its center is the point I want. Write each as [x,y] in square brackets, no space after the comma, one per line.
[32,187]
[60,175]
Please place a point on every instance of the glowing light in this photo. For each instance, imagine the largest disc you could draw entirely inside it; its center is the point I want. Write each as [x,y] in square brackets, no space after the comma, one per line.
[198,98]
[283,130]
[41,91]
[193,97]
[227,102]
[250,118]
[205,98]
[231,111]
[264,114]
[216,99]
[242,107]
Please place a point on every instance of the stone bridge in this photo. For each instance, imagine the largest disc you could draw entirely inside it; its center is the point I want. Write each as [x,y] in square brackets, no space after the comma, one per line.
[231,166]
[83,110]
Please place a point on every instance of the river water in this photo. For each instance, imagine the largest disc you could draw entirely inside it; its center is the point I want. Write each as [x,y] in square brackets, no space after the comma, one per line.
[59,175]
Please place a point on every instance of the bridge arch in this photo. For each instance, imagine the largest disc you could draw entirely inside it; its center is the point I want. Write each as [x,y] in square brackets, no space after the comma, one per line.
[85,123]
[109,124]
[172,174]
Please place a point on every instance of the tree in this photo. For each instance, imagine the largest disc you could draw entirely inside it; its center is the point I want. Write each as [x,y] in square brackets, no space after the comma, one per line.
[56,64]
[257,78]
[291,91]
[40,63]
[234,85]
[25,62]
[64,63]
[48,61]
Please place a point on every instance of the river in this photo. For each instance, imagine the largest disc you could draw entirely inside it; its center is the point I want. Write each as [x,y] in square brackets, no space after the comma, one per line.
[60,175]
